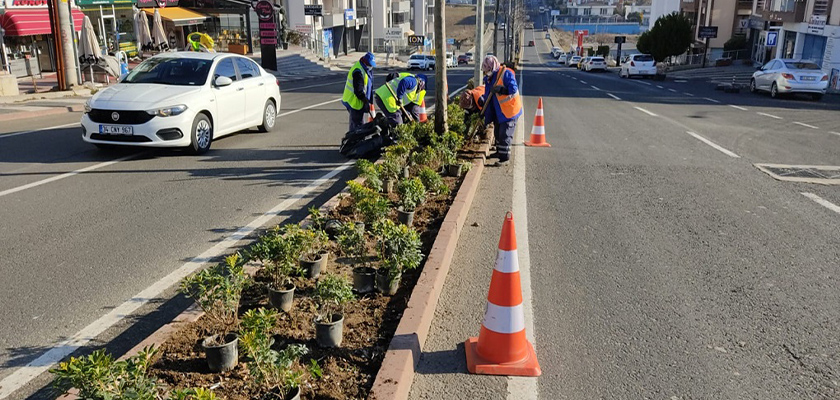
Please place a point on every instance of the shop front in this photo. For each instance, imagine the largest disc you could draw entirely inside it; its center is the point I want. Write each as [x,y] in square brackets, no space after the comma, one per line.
[28,39]
[178,22]
[231,24]
[113,22]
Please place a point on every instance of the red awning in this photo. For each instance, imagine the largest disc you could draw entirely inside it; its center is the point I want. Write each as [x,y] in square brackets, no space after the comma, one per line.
[33,22]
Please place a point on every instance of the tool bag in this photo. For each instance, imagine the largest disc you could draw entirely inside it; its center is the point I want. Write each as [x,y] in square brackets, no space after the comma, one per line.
[368,140]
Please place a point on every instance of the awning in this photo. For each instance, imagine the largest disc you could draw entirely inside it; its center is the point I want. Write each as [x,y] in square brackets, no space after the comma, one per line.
[179,16]
[33,22]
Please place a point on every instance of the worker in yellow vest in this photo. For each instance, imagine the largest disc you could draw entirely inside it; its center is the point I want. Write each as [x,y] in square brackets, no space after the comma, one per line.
[358,90]
[403,90]
[503,103]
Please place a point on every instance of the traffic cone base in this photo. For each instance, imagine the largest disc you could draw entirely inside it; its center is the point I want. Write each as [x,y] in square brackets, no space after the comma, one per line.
[538,129]
[532,144]
[528,366]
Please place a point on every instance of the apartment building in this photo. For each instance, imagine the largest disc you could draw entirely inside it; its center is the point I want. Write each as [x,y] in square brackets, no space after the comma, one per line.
[731,17]
[809,30]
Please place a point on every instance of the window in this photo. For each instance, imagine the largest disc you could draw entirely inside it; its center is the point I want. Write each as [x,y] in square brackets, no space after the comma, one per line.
[802,65]
[587,11]
[247,68]
[170,71]
[605,11]
[225,68]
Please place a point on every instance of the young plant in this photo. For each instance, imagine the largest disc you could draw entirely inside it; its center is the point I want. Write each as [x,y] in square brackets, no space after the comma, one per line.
[217,290]
[368,204]
[370,172]
[389,169]
[99,376]
[351,240]
[412,193]
[192,394]
[429,156]
[313,242]
[432,181]
[332,292]
[317,219]
[456,119]
[399,248]
[278,370]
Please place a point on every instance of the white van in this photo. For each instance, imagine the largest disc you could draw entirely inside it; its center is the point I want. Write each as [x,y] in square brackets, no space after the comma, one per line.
[451,62]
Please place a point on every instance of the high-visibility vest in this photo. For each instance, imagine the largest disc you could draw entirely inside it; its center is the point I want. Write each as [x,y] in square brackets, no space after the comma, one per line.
[476,93]
[418,99]
[349,96]
[510,106]
[389,100]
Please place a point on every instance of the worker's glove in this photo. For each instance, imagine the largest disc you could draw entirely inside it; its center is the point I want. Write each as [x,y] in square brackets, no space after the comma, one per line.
[499,89]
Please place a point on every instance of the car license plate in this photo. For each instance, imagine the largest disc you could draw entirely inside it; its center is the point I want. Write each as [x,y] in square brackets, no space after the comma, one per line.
[116,130]
[808,78]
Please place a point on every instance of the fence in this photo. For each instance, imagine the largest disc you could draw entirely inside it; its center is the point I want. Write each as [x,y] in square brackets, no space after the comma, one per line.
[711,59]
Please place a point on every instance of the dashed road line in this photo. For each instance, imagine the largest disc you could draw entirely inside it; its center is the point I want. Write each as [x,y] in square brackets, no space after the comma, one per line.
[712,100]
[834,133]
[672,90]
[688,94]
[823,202]
[769,115]
[619,98]
[583,81]
[738,107]
[68,174]
[646,111]
[643,83]
[680,81]
[594,87]
[660,87]
[713,144]
[806,125]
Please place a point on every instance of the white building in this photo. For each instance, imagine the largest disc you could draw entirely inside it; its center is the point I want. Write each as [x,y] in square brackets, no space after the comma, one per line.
[660,8]
[813,35]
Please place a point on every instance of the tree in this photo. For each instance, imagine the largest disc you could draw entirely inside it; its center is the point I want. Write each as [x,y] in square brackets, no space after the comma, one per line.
[635,17]
[737,42]
[670,36]
[602,38]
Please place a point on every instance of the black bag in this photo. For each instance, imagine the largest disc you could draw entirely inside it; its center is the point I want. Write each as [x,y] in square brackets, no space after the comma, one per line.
[368,140]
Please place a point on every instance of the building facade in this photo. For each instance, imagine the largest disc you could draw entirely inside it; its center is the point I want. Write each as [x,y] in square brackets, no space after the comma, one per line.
[28,39]
[811,33]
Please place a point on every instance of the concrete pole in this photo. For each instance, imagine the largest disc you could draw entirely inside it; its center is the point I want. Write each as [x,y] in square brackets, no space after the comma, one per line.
[478,56]
[75,47]
[496,29]
[65,35]
[441,97]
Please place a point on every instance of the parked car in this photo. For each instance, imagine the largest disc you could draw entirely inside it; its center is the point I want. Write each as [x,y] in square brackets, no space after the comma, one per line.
[183,99]
[450,60]
[545,28]
[530,43]
[782,76]
[555,52]
[469,57]
[638,65]
[562,60]
[463,59]
[421,61]
[548,36]
[595,64]
[581,63]
[573,61]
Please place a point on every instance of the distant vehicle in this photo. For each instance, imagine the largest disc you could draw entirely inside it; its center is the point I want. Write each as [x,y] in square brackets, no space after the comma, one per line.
[542,9]
[562,60]
[420,61]
[502,25]
[582,62]
[595,64]
[573,62]
[781,76]
[469,57]
[463,59]
[638,65]
[548,36]
[450,60]
[530,43]
[555,52]
[545,28]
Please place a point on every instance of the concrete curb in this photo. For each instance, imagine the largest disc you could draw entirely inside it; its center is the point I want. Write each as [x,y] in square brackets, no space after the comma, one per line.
[36,114]
[396,375]
[79,91]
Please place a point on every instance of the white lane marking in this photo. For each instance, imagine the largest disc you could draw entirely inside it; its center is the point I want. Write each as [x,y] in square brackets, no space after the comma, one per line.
[613,96]
[66,175]
[574,78]
[712,100]
[519,388]
[594,87]
[660,87]
[688,94]
[738,107]
[307,108]
[806,125]
[646,111]
[8,135]
[583,81]
[769,115]
[47,360]
[672,90]
[713,144]
[834,133]
[643,83]
[823,202]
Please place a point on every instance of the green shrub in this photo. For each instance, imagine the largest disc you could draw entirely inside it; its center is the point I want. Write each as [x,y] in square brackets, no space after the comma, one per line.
[332,292]
[433,181]
[270,368]
[412,193]
[456,119]
[370,172]
[368,204]
[399,247]
[351,240]
[99,376]
[217,290]
[603,51]
[429,156]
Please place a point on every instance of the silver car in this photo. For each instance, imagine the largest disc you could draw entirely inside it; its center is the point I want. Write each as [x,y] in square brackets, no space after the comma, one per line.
[781,76]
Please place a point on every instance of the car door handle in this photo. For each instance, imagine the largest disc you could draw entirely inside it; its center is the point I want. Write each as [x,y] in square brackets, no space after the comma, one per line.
[239,89]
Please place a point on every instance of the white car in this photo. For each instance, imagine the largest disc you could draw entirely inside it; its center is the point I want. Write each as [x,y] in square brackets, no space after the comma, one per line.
[780,76]
[595,64]
[451,62]
[556,51]
[638,65]
[421,61]
[183,99]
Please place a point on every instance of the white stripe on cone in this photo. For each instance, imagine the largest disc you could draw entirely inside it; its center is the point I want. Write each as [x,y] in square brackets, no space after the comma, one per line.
[538,130]
[539,112]
[506,261]
[506,320]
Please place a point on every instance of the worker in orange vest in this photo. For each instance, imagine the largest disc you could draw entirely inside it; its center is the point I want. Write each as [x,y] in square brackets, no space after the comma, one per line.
[504,106]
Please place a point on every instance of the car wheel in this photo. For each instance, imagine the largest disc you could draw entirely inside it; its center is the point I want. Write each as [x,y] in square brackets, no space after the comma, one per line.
[816,97]
[753,89]
[202,134]
[269,117]
[774,91]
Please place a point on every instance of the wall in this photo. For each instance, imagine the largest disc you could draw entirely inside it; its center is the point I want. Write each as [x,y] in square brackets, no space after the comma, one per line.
[631,28]
[723,16]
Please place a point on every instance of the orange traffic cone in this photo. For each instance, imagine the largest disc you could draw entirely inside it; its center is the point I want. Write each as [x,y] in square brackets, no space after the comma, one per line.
[501,347]
[423,117]
[371,114]
[538,130]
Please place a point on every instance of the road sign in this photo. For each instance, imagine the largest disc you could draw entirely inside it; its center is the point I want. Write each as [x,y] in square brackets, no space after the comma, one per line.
[772,38]
[582,32]
[314,9]
[349,14]
[707,32]
[555,12]
[416,40]
[450,41]
[393,33]
[621,39]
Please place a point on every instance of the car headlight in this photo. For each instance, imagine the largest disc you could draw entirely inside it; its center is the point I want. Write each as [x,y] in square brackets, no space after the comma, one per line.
[88,108]
[168,111]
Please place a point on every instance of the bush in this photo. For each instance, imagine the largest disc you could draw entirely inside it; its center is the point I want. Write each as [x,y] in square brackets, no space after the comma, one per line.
[399,247]
[368,203]
[99,377]
[429,156]
[603,51]
[351,240]
[412,193]
[456,119]
[737,42]
[332,292]
[217,290]
[371,173]
[432,181]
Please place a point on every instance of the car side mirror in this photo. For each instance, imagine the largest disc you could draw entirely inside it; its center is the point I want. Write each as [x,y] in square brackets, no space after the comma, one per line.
[222,81]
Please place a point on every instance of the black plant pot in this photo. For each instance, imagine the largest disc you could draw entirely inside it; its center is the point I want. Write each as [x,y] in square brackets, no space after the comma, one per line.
[388,186]
[313,267]
[384,284]
[330,333]
[222,357]
[331,227]
[282,299]
[406,217]
[363,280]
[453,170]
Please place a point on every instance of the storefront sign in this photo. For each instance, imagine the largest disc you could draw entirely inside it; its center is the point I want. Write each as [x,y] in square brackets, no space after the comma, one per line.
[268,33]
[707,32]
[816,24]
[268,25]
[772,38]
[304,29]
[757,23]
[393,33]
[349,14]
[156,3]
[314,9]
[270,42]
[416,40]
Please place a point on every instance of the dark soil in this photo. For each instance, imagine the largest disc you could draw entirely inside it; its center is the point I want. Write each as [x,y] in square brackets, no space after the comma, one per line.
[348,371]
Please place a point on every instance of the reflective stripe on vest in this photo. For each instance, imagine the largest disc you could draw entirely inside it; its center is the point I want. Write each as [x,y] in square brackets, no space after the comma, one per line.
[511,105]
[349,96]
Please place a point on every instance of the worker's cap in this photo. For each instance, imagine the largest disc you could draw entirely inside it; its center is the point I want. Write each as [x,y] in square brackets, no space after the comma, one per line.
[421,80]
[369,59]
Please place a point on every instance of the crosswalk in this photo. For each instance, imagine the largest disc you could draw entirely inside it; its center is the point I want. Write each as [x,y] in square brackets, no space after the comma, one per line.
[297,67]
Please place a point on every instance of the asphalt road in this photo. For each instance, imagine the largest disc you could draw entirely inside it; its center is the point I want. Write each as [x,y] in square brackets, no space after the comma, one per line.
[86,230]
[662,264]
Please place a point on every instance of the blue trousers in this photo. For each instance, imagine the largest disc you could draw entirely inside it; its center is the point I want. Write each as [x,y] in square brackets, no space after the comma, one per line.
[357,118]
[503,132]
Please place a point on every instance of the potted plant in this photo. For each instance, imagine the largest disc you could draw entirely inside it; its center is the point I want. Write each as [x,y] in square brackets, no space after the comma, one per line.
[412,193]
[367,204]
[313,257]
[99,376]
[428,156]
[370,172]
[432,181]
[277,370]
[399,250]
[448,145]
[351,242]
[331,293]
[398,154]
[217,290]
[389,170]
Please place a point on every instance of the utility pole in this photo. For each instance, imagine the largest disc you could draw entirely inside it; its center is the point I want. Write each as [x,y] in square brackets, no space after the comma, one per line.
[496,28]
[478,56]
[441,97]
[65,35]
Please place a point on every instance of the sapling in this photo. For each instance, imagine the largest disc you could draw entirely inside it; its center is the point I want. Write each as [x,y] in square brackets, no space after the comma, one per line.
[370,172]
[412,193]
[332,292]
[217,290]
[351,240]
[399,248]
[433,181]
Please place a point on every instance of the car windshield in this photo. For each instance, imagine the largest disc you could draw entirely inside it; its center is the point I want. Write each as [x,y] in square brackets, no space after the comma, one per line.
[643,58]
[171,71]
[801,65]
[417,57]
